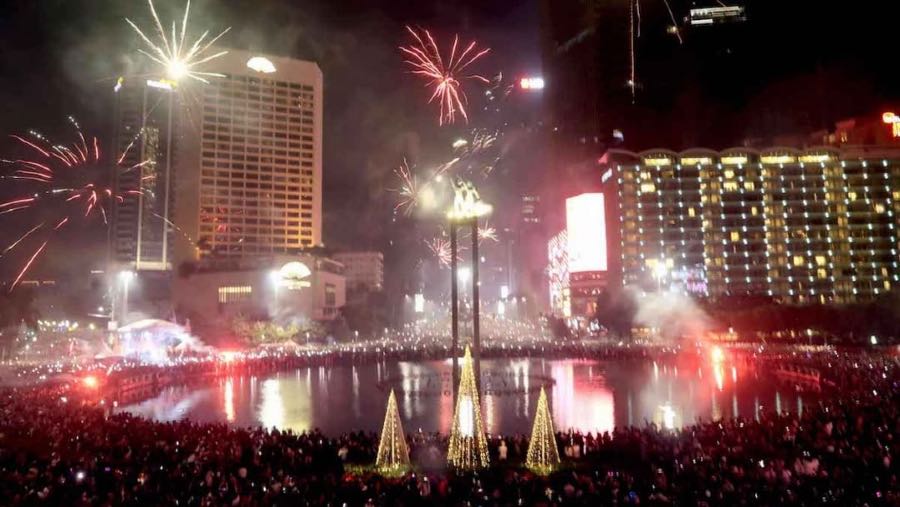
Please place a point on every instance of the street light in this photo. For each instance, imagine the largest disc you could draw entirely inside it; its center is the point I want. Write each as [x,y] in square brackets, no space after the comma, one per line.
[125,278]
[660,272]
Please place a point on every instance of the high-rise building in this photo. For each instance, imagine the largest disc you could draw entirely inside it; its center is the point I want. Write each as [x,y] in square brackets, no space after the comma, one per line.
[140,238]
[250,159]
[364,270]
[803,226]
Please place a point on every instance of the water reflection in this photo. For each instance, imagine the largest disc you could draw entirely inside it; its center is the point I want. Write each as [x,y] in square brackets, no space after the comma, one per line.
[584,395]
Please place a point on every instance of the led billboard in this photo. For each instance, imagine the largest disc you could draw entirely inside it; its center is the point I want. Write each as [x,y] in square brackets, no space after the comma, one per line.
[586,231]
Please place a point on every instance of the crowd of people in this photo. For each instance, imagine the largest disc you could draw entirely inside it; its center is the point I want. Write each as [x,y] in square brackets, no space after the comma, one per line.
[59,447]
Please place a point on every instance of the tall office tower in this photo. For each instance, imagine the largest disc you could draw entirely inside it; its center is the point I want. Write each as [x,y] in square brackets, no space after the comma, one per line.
[250,159]
[144,116]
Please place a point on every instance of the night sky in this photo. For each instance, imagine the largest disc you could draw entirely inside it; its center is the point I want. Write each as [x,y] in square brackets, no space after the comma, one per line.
[61,57]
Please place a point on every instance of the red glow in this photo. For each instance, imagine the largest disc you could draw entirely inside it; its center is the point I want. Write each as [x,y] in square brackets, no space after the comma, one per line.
[586,228]
[228,356]
[91,381]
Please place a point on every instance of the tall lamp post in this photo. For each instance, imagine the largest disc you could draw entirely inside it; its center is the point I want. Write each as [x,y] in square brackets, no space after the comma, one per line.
[125,278]
[467,209]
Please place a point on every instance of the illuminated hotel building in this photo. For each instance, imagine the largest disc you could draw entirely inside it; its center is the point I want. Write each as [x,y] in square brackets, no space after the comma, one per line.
[802,226]
[251,156]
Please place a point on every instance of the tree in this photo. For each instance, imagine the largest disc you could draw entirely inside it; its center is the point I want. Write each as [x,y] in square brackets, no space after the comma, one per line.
[542,455]
[468,446]
[616,310]
[393,454]
[16,308]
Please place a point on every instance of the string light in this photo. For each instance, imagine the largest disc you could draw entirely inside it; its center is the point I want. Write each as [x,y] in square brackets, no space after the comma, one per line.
[468,448]
[543,456]
[393,454]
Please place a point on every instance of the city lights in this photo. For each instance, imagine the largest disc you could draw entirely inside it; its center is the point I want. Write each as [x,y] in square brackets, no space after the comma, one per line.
[531,83]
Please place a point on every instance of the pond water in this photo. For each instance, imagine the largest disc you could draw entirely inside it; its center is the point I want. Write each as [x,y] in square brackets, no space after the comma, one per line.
[584,395]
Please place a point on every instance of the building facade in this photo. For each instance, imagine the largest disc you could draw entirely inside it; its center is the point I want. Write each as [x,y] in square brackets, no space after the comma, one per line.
[250,160]
[283,289]
[803,226]
[364,271]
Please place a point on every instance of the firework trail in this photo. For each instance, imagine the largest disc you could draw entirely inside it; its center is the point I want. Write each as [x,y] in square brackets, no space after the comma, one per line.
[176,56]
[445,77]
[632,78]
[674,28]
[60,189]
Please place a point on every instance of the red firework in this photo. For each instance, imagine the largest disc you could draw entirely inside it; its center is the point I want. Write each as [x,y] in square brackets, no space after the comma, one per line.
[61,187]
[445,77]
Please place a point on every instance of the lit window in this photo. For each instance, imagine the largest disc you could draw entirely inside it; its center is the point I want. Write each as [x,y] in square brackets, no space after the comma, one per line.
[822,273]
[879,208]
[754,211]
[749,185]
[735,236]
[730,186]
[820,260]
[691,212]
[798,260]
[235,294]
[648,187]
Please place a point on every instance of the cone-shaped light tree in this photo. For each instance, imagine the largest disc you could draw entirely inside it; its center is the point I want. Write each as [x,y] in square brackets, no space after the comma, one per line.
[393,454]
[542,455]
[468,446]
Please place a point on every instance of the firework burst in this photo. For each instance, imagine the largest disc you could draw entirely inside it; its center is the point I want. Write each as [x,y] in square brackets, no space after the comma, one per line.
[177,56]
[487,232]
[409,189]
[445,77]
[440,248]
[61,188]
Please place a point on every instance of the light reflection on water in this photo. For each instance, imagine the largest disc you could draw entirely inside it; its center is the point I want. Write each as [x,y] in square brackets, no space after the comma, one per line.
[586,395]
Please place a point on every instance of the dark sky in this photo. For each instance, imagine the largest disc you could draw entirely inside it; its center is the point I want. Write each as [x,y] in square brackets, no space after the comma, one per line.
[61,58]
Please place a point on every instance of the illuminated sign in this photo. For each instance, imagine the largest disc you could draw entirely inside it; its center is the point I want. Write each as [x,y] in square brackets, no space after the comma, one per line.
[294,276]
[606,175]
[504,291]
[696,161]
[119,83]
[261,64]
[558,274]
[815,158]
[586,232]
[657,161]
[734,160]
[531,83]
[894,121]
[711,15]
[777,159]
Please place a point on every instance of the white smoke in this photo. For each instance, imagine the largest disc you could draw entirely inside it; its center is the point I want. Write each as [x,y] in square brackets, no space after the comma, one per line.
[672,314]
